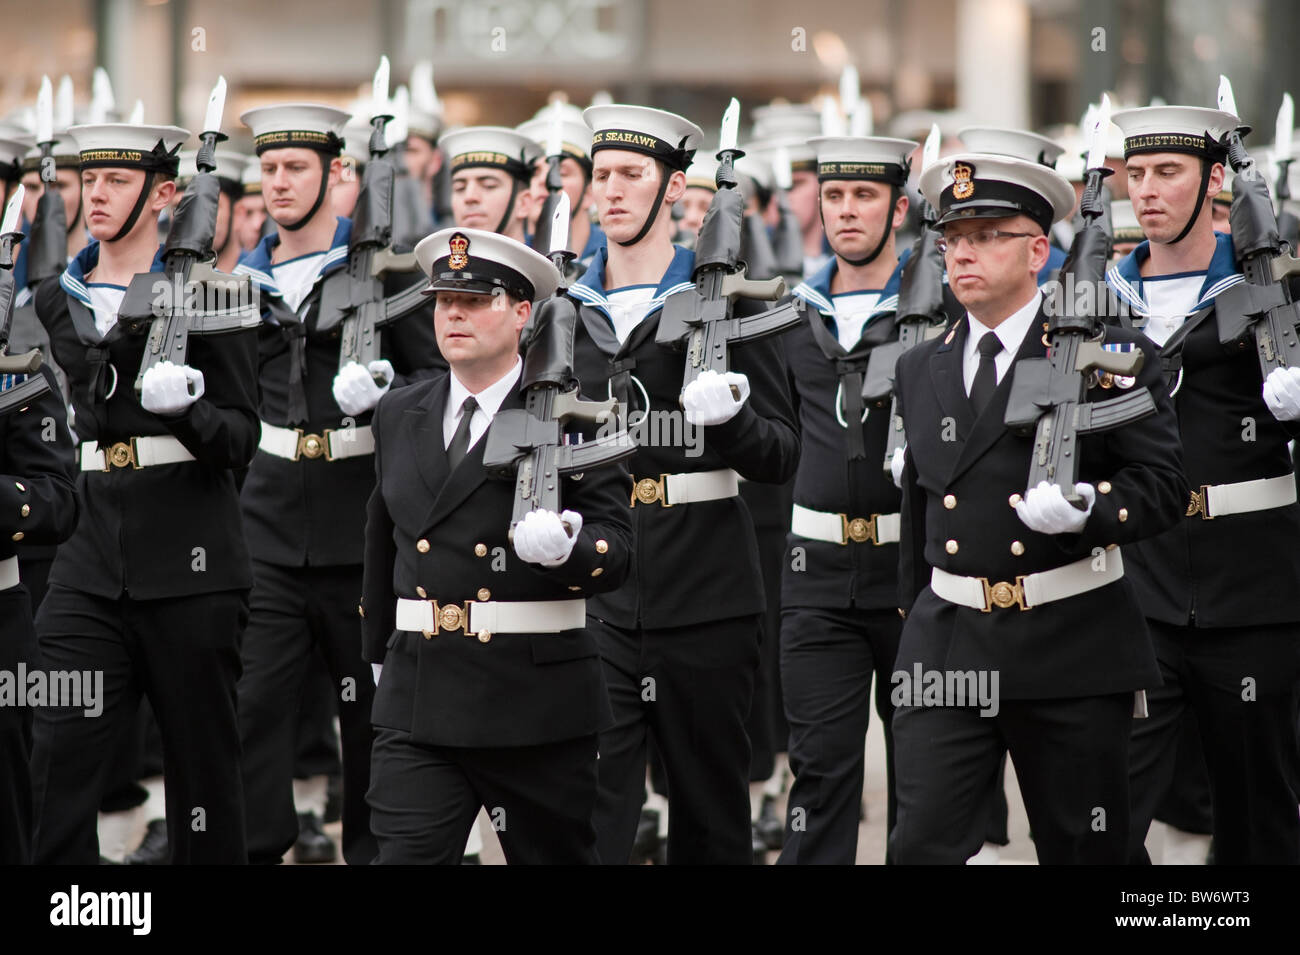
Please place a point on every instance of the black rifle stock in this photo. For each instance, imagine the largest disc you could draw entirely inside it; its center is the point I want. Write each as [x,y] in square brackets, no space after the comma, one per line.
[47,252]
[1049,395]
[29,364]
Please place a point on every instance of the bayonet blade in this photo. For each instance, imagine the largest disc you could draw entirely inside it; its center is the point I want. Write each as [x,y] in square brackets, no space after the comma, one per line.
[1285,127]
[930,152]
[730,127]
[862,121]
[63,104]
[379,87]
[781,173]
[560,225]
[849,89]
[13,209]
[1098,134]
[1227,102]
[137,114]
[101,96]
[45,112]
[216,106]
[555,132]
[400,123]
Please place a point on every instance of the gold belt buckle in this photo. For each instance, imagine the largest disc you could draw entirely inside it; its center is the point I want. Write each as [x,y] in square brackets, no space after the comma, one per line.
[859,529]
[648,491]
[1003,594]
[1200,504]
[314,446]
[450,617]
[120,455]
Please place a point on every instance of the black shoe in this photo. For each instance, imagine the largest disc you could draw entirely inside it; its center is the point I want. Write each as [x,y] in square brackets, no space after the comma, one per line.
[333,800]
[313,846]
[770,827]
[646,843]
[758,845]
[153,849]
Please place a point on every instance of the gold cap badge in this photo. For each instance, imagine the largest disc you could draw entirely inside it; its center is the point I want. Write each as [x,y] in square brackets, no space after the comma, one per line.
[458,261]
[962,185]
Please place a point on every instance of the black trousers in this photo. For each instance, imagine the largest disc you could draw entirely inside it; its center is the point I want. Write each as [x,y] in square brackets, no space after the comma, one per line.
[317,749]
[1187,804]
[1243,684]
[423,800]
[693,687]
[1071,758]
[295,610]
[17,645]
[828,658]
[183,654]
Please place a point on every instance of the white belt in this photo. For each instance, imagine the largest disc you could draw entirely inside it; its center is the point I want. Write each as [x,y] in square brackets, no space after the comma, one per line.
[134,453]
[1220,500]
[331,444]
[8,573]
[488,617]
[673,489]
[840,528]
[1028,590]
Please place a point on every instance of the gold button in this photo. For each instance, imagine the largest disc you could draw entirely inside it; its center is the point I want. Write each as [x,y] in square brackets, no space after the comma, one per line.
[19,485]
[423,594]
[361,611]
[950,547]
[480,550]
[949,501]
[1013,500]
[601,546]
[25,510]
[902,613]
[1017,548]
[1123,514]
[422,546]
[1104,487]
[575,588]
[484,594]
[19,536]
[484,636]
[598,571]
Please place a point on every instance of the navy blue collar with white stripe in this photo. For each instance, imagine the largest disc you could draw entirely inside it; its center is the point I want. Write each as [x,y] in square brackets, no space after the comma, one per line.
[1126,276]
[73,278]
[590,289]
[256,262]
[816,289]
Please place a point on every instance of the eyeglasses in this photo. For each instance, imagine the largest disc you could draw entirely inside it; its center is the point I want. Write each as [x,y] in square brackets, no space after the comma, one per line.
[980,239]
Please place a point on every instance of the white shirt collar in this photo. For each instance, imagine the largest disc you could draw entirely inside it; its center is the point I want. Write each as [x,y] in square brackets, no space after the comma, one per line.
[1011,333]
[489,402]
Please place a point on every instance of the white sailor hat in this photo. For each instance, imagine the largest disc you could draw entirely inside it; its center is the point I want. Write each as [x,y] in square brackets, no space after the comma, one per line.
[575,135]
[230,167]
[1124,222]
[702,173]
[479,262]
[297,125]
[64,153]
[495,147]
[12,150]
[666,136]
[803,158]
[424,116]
[1193,130]
[786,121]
[251,179]
[1017,143]
[863,157]
[983,186]
[152,148]
[756,168]
[356,142]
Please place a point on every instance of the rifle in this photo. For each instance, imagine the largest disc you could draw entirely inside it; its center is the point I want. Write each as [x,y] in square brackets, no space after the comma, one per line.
[527,443]
[701,317]
[355,295]
[1262,304]
[180,302]
[47,252]
[20,394]
[787,238]
[921,315]
[554,186]
[1288,225]
[1049,394]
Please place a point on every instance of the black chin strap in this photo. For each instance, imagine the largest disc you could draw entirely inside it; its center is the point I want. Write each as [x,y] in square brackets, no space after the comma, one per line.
[654,209]
[884,236]
[137,209]
[1206,165]
[320,196]
[510,207]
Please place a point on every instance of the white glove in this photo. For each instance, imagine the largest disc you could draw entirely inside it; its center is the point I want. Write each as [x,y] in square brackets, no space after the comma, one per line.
[377,668]
[166,388]
[708,400]
[1045,509]
[355,389]
[540,537]
[896,467]
[1282,393]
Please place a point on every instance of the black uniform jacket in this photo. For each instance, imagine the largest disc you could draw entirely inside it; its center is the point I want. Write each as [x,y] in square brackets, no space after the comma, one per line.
[695,562]
[312,511]
[1240,569]
[959,478]
[169,530]
[445,534]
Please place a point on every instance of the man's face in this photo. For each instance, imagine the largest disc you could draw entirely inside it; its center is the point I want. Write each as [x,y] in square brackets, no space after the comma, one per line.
[803,198]
[986,275]
[478,331]
[109,194]
[856,214]
[480,197]
[695,203]
[624,185]
[1163,188]
[246,219]
[69,184]
[422,158]
[291,182]
[33,188]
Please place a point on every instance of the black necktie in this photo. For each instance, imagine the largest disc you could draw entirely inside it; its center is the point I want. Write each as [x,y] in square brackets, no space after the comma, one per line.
[986,376]
[459,446]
